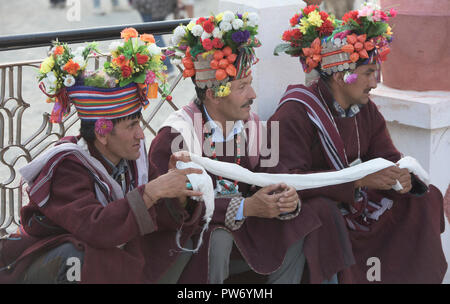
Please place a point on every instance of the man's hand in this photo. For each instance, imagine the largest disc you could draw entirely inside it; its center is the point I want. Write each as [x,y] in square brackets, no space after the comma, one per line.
[178,156]
[386,178]
[170,185]
[270,201]
[405,181]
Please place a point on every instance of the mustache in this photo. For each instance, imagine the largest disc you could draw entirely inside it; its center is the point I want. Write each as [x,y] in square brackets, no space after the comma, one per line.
[248,103]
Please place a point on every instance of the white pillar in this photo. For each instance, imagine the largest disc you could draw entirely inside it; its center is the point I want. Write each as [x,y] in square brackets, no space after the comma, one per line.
[419,124]
[272,74]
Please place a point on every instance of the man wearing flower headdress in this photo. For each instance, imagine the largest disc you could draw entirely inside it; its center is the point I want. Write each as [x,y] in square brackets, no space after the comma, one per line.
[91,205]
[262,231]
[332,124]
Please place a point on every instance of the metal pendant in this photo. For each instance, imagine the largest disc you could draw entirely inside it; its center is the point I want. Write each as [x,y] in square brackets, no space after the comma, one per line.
[226,192]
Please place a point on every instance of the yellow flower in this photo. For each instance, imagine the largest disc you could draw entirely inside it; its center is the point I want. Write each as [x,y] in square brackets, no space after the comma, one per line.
[190,26]
[315,19]
[224,90]
[304,25]
[47,65]
[389,31]
[219,17]
[245,15]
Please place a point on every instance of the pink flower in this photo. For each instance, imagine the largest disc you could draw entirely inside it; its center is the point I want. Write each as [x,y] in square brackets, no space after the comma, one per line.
[350,78]
[366,11]
[376,16]
[103,126]
[393,12]
[150,77]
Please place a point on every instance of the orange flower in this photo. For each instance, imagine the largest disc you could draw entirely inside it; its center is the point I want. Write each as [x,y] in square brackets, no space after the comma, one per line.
[58,50]
[121,60]
[147,38]
[128,33]
[312,54]
[71,67]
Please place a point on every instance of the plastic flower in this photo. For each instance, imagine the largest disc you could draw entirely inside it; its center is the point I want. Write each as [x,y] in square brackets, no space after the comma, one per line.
[295,20]
[237,24]
[197,30]
[103,126]
[315,19]
[350,77]
[148,38]
[128,33]
[309,9]
[150,77]
[69,81]
[59,50]
[47,65]
[223,90]
[304,25]
[141,59]
[126,71]
[219,17]
[208,26]
[71,67]
[154,49]
[225,26]
[228,16]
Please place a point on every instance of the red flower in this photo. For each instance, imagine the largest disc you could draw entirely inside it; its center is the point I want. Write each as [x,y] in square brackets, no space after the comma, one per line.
[327,28]
[292,35]
[309,9]
[351,15]
[207,44]
[200,20]
[126,71]
[294,20]
[217,43]
[208,26]
[323,15]
[141,59]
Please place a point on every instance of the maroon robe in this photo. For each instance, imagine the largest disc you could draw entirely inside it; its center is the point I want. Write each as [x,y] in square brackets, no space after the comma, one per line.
[73,214]
[406,238]
[261,242]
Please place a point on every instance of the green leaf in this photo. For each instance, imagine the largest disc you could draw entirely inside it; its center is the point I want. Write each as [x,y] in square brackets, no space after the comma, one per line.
[125,82]
[377,29]
[140,78]
[281,48]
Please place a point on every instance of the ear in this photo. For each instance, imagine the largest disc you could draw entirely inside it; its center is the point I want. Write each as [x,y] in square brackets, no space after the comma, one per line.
[211,97]
[103,139]
[338,77]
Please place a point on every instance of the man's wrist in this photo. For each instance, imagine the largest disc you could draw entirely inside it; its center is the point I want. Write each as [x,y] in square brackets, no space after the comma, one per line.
[247,206]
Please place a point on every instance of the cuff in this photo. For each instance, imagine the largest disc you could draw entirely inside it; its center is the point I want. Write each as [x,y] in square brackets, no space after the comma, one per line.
[232,211]
[291,215]
[143,218]
[418,187]
[240,213]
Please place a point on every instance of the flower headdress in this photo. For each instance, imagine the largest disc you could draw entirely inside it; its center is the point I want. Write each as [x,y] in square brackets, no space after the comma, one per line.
[330,45]
[216,49]
[117,90]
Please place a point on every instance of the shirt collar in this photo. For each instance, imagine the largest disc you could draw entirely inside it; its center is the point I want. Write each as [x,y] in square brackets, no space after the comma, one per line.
[116,171]
[217,133]
[351,111]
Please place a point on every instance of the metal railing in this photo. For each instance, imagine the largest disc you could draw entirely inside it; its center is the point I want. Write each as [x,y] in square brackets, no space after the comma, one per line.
[16,149]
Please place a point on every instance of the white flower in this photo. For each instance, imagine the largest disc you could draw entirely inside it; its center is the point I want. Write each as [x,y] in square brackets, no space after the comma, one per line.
[175,40]
[197,30]
[69,81]
[217,33]
[253,19]
[78,59]
[225,26]
[51,77]
[179,31]
[154,49]
[228,16]
[179,54]
[114,45]
[206,35]
[237,24]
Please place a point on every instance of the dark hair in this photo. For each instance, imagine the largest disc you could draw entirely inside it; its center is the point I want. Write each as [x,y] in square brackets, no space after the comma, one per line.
[201,93]
[87,127]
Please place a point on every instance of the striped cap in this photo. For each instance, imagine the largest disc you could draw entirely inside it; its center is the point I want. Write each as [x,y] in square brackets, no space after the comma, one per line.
[94,103]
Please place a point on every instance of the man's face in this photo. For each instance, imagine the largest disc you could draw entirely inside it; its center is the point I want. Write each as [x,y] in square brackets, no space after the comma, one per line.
[124,140]
[358,92]
[236,106]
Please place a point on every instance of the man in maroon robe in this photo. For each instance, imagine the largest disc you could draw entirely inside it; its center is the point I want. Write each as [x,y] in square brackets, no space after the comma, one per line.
[265,231]
[92,207]
[332,124]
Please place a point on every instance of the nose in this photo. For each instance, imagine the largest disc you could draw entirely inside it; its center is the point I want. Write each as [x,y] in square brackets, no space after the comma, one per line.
[252,93]
[373,80]
[139,133]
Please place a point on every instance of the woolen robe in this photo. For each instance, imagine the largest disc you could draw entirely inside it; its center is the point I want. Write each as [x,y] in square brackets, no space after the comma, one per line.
[406,238]
[112,237]
[262,243]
